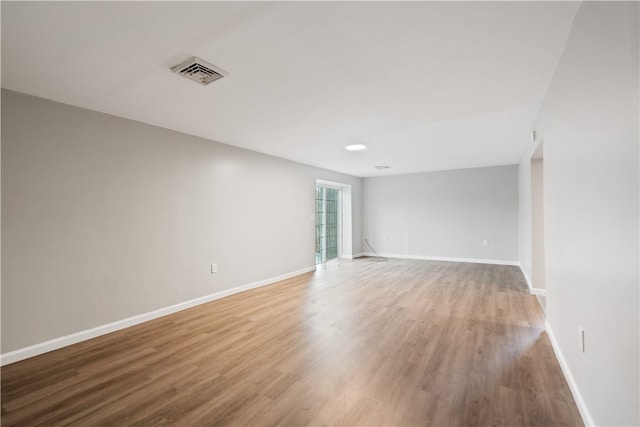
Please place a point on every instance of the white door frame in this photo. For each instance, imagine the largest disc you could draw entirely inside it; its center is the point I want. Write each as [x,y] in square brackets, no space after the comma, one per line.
[536,179]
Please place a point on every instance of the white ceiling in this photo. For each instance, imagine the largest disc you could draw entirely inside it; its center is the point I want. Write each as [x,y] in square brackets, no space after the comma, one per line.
[426,85]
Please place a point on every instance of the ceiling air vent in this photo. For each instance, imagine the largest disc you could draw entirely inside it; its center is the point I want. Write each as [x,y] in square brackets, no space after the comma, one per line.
[199,71]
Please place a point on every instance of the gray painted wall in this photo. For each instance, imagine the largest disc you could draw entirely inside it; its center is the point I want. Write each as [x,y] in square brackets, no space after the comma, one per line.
[105,218]
[444,214]
[589,125]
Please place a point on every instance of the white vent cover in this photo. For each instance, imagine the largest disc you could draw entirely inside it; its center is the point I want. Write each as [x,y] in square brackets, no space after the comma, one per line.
[199,71]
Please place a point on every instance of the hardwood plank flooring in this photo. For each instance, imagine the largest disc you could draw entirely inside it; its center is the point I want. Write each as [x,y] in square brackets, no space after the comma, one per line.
[358,342]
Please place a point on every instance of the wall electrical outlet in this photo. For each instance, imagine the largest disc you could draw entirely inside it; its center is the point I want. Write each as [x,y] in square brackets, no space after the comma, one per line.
[581,339]
[485,242]
[214,268]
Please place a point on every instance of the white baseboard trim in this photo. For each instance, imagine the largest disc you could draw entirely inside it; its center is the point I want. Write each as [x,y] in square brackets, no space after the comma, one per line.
[577,396]
[353,256]
[526,278]
[532,290]
[451,259]
[56,343]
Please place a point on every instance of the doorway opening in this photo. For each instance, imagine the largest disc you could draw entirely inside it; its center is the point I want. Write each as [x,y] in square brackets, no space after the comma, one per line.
[326,223]
[333,221]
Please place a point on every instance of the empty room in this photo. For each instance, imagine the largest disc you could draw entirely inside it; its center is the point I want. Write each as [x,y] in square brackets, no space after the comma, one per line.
[320,213]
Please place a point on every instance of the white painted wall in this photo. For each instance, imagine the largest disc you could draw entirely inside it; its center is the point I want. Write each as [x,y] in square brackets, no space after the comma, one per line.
[444,214]
[524,214]
[105,218]
[589,124]
[537,224]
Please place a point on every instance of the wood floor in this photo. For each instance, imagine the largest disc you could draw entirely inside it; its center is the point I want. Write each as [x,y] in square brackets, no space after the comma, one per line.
[360,342]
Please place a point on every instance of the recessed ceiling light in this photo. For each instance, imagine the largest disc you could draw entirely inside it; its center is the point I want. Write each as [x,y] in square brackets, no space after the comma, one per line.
[383,167]
[356,147]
